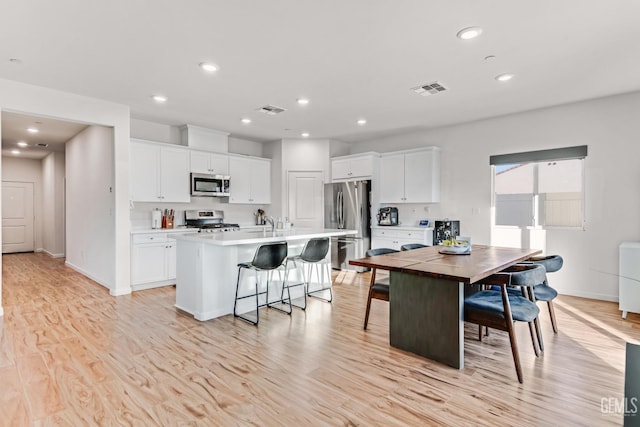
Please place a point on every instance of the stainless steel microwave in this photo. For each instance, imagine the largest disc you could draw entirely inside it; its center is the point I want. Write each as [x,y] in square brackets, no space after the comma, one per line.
[209,185]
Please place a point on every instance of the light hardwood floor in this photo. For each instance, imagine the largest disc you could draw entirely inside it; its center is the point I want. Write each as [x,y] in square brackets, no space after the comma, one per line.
[70,354]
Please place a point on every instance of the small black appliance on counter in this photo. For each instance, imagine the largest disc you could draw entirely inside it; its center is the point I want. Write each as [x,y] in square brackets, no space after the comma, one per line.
[444,230]
[388,216]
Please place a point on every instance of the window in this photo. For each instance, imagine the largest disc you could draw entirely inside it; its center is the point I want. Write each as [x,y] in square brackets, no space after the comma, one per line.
[539,188]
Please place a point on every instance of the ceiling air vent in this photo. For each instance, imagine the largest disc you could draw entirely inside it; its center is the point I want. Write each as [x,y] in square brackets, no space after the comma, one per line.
[271,110]
[430,88]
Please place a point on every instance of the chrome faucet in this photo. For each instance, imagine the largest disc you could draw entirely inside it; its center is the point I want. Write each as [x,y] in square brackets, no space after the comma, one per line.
[269,219]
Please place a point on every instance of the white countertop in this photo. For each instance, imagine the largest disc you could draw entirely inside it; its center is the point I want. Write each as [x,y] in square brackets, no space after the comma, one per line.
[258,236]
[401,227]
[181,229]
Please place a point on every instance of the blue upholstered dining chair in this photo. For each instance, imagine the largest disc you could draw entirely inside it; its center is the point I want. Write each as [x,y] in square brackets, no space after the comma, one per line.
[411,246]
[544,292]
[377,289]
[499,309]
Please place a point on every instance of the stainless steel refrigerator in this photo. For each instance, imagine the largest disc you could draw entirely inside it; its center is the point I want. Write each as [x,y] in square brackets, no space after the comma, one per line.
[347,206]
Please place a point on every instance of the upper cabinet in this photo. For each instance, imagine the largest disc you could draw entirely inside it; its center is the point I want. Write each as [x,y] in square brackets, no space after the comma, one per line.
[159,173]
[360,166]
[250,180]
[411,176]
[209,163]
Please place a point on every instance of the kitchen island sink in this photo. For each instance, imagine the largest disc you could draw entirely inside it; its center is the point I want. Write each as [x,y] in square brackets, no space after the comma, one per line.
[207,267]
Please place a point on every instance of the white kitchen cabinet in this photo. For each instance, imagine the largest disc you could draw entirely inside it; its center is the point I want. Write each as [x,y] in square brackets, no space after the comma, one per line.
[353,167]
[209,163]
[153,260]
[394,238]
[250,180]
[159,173]
[410,176]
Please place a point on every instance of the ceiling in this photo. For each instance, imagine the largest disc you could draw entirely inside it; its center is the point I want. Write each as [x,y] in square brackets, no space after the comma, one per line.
[52,135]
[352,59]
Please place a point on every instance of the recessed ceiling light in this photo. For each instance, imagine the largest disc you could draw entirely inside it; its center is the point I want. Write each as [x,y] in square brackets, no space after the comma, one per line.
[305,134]
[362,122]
[22,144]
[246,120]
[504,77]
[469,33]
[16,152]
[302,101]
[159,98]
[209,67]
[32,130]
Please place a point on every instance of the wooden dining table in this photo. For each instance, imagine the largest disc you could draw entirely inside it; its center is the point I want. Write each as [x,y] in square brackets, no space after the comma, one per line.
[426,295]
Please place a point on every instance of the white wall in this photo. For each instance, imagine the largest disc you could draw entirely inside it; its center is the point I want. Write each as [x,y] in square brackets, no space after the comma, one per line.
[53,219]
[90,204]
[610,128]
[35,100]
[294,155]
[28,170]
[158,132]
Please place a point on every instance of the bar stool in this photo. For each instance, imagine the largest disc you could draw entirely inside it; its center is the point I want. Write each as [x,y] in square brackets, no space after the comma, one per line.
[268,257]
[314,254]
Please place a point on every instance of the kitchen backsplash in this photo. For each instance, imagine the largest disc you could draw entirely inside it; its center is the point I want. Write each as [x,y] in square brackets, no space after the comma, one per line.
[411,214]
[140,214]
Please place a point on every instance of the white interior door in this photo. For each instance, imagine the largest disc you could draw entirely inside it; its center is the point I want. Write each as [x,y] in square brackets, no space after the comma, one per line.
[17,217]
[306,199]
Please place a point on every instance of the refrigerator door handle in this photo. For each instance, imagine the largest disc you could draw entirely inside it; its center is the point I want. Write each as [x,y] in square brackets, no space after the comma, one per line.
[340,210]
[350,241]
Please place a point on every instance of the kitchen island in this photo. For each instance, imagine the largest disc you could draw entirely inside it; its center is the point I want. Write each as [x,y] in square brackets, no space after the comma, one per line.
[206,267]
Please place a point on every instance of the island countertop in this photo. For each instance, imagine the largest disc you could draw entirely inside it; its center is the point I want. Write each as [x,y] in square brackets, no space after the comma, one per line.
[232,238]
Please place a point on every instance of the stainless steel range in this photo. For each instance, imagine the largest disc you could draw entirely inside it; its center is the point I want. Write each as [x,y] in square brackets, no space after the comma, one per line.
[208,221]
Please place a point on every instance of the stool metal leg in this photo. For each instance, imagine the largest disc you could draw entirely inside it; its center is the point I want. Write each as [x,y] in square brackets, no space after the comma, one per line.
[289,285]
[270,304]
[322,287]
[235,304]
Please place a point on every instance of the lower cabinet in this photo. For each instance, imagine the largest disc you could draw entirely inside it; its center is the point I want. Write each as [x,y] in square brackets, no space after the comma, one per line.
[393,238]
[153,261]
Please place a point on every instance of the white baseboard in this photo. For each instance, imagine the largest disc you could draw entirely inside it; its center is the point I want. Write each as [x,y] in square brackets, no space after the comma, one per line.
[84,273]
[1,311]
[112,292]
[591,295]
[50,254]
[119,292]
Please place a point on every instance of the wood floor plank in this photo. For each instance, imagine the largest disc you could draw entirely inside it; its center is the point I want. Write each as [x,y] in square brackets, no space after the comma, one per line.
[71,354]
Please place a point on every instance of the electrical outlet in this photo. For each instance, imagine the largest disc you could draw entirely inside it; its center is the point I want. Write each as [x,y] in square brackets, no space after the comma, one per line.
[426,209]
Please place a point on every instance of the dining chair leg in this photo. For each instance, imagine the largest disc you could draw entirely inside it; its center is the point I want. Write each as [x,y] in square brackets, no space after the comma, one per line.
[536,323]
[534,339]
[366,315]
[510,329]
[514,351]
[371,282]
[480,333]
[552,314]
